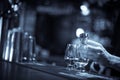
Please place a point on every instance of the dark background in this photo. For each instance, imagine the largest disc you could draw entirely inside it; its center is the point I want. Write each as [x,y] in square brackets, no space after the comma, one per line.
[54,22]
[56,27]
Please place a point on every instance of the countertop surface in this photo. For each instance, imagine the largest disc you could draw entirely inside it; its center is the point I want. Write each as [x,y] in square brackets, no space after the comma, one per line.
[39,71]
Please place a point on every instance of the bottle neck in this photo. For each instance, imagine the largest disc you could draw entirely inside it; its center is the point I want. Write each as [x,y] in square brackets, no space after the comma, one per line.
[83,40]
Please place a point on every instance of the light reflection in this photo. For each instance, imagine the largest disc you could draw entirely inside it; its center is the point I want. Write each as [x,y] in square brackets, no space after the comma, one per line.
[0,27]
[15,7]
[85,10]
[79,31]
[11,50]
[11,54]
[7,52]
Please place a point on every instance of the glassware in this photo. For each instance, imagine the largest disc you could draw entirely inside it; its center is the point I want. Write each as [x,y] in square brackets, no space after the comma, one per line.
[80,56]
[28,48]
[12,46]
[69,56]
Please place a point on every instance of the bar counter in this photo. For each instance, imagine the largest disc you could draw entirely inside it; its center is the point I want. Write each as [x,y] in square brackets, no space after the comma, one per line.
[39,71]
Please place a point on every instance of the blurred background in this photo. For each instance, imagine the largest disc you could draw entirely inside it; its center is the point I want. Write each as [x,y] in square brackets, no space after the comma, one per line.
[55,23]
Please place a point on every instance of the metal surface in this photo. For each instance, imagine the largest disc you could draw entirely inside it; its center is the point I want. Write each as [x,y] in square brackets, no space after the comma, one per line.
[9,13]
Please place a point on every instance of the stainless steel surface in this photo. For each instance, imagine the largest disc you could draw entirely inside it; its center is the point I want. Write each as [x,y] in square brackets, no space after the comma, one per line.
[12,47]
[4,31]
[10,20]
[0,27]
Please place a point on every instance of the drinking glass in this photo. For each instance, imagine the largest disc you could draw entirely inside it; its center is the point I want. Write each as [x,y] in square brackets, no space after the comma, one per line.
[12,46]
[70,56]
[28,48]
[80,58]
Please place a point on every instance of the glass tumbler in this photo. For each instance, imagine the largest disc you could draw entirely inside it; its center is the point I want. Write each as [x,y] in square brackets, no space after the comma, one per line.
[70,56]
[28,48]
[80,57]
[12,48]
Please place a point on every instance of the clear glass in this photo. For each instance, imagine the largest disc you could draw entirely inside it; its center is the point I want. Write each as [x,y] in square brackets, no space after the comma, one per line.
[70,56]
[12,46]
[81,60]
[81,54]
[28,54]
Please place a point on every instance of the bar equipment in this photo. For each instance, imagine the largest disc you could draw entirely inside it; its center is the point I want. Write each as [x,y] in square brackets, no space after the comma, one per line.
[12,47]
[28,53]
[80,56]
[10,15]
[19,47]
[70,56]
[75,54]
[5,20]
